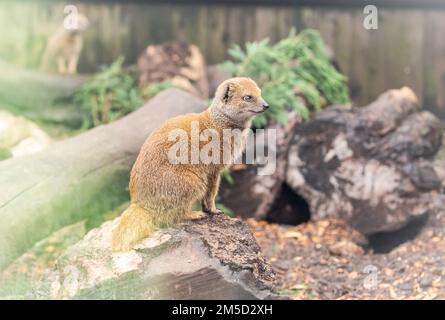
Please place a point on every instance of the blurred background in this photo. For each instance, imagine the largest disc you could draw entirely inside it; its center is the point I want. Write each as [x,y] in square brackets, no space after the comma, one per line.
[355,208]
[407,48]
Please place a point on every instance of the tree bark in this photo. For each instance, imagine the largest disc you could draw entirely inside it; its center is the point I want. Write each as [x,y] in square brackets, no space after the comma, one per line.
[78,177]
[253,195]
[178,62]
[216,257]
[372,167]
[38,96]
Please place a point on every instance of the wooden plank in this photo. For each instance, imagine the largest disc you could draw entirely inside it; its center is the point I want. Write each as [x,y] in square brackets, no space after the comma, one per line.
[434,62]
[327,3]
[407,49]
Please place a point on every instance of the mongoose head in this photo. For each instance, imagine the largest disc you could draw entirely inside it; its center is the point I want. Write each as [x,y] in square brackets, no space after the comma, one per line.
[81,24]
[238,99]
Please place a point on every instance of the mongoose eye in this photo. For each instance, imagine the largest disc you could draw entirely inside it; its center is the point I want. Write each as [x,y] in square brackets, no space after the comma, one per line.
[247,98]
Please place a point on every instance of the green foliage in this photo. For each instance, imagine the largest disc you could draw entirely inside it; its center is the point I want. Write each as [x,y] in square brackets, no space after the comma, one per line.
[294,74]
[4,154]
[227,211]
[228,177]
[112,93]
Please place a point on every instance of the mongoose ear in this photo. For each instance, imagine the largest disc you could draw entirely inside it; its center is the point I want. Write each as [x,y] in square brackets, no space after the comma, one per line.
[227,92]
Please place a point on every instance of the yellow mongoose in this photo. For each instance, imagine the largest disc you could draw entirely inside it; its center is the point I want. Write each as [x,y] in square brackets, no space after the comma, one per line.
[64,47]
[162,191]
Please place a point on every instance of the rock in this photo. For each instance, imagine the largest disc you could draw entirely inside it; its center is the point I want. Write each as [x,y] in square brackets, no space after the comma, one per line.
[21,136]
[405,286]
[346,248]
[426,281]
[177,62]
[213,258]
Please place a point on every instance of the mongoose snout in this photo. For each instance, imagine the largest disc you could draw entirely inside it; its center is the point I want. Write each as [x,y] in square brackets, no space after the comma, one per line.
[162,192]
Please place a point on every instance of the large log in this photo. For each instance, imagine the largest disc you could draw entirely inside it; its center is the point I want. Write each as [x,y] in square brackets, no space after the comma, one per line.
[371,166]
[213,258]
[39,96]
[78,177]
[253,195]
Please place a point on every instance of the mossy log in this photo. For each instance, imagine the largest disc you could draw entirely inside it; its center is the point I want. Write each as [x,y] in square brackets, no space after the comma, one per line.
[38,96]
[78,177]
[216,257]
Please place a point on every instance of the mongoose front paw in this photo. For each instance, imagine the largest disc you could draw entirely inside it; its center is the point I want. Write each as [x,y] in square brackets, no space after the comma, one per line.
[214,211]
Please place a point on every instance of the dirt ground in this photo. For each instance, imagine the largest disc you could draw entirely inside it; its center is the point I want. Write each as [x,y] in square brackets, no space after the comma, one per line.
[328,260]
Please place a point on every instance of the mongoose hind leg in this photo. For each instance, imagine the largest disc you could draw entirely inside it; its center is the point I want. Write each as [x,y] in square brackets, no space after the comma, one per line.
[72,63]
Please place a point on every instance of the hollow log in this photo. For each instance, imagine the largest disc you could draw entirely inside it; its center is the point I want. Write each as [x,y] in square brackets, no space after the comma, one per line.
[253,195]
[368,166]
[372,167]
[216,257]
[79,177]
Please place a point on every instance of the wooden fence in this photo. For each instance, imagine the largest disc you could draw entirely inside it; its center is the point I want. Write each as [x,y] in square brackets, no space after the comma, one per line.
[408,48]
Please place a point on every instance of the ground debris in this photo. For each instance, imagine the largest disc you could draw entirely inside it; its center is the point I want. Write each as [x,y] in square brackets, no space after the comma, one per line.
[328,260]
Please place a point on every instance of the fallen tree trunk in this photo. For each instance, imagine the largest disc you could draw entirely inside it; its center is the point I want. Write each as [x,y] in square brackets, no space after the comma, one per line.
[79,177]
[214,258]
[367,166]
[39,96]
[371,166]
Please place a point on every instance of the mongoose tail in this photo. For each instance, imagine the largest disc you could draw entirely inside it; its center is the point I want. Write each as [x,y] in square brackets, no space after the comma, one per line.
[135,224]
